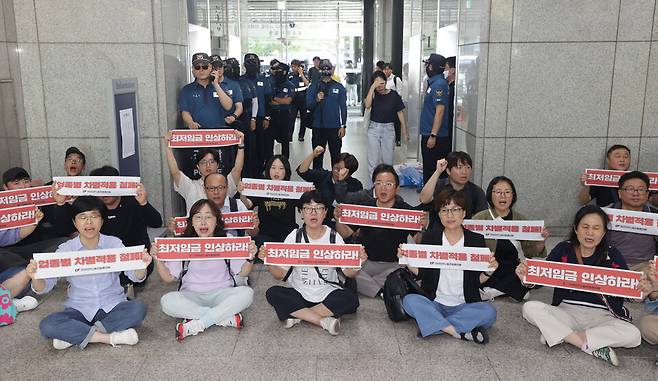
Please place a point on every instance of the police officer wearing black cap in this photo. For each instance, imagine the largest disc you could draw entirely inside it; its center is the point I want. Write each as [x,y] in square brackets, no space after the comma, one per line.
[327,99]
[264,94]
[434,124]
[298,78]
[282,95]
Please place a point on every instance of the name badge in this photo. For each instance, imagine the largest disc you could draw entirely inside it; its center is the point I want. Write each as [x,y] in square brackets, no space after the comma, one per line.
[230,92]
[214,94]
[301,84]
[259,83]
[335,91]
[429,90]
[285,90]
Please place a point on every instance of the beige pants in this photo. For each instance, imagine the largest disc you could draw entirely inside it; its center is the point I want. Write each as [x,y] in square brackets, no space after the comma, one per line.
[649,328]
[601,328]
[372,276]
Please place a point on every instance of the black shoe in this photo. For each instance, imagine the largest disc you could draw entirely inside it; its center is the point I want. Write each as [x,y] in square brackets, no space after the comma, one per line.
[398,143]
[300,139]
[477,335]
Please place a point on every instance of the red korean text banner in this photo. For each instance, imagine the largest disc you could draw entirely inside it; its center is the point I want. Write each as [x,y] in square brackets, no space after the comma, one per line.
[203,138]
[502,229]
[194,248]
[655,263]
[304,254]
[632,221]
[446,257]
[89,262]
[17,217]
[387,218]
[37,196]
[595,279]
[610,178]
[232,221]
[276,188]
[97,185]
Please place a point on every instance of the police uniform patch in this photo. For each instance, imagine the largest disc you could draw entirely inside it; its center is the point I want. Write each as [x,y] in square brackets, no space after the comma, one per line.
[439,92]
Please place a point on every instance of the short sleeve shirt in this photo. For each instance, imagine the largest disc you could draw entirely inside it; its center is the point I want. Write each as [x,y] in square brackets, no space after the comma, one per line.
[285,90]
[193,191]
[385,107]
[437,94]
[203,104]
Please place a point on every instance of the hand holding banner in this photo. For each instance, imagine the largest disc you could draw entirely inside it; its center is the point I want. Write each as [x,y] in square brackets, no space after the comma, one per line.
[88,262]
[37,196]
[517,230]
[632,221]
[610,178]
[446,257]
[17,217]
[194,248]
[275,188]
[304,254]
[595,279]
[203,138]
[97,185]
[387,218]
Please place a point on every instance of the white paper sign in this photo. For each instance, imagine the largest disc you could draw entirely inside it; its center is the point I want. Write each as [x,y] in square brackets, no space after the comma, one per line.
[276,189]
[446,257]
[97,185]
[632,221]
[516,230]
[88,262]
[127,132]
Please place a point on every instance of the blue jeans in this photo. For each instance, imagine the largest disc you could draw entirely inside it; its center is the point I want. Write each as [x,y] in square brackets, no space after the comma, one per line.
[432,316]
[381,143]
[71,326]
[11,272]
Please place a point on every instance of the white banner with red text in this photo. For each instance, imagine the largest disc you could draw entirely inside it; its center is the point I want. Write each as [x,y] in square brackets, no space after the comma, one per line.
[17,217]
[89,262]
[516,230]
[632,221]
[37,196]
[203,138]
[195,248]
[387,218]
[232,221]
[320,255]
[275,188]
[610,178]
[97,185]
[595,279]
[446,257]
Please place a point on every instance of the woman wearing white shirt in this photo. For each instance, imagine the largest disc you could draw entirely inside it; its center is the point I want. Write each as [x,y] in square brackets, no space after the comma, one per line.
[455,306]
[315,295]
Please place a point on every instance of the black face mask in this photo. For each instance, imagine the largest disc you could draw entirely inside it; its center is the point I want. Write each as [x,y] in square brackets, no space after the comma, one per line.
[232,72]
[251,68]
[280,77]
[325,72]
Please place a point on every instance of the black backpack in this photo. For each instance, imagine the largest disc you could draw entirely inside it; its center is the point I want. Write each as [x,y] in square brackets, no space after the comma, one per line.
[398,284]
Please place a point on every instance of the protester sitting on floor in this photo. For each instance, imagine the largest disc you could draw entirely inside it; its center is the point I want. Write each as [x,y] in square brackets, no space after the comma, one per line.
[454,306]
[381,244]
[316,294]
[501,196]
[276,215]
[207,162]
[96,310]
[595,323]
[618,158]
[649,322]
[208,293]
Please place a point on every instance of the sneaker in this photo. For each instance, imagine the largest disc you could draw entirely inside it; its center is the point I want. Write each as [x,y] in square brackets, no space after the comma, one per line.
[542,339]
[126,337]
[235,321]
[26,303]
[130,291]
[61,344]
[300,139]
[398,143]
[291,322]
[606,354]
[331,325]
[477,335]
[188,328]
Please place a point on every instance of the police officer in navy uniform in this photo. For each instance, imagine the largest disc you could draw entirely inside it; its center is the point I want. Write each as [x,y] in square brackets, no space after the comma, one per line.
[232,88]
[202,104]
[282,95]
[434,125]
[327,99]
[264,94]
[298,78]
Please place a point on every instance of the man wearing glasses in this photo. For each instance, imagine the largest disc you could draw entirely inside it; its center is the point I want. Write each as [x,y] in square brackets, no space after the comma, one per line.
[74,161]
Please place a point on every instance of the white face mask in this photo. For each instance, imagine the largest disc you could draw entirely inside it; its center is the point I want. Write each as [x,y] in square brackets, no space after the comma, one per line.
[446,73]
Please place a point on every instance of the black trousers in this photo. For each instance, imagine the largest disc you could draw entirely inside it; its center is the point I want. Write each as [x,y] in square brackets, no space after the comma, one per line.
[259,152]
[441,149]
[278,131]
[323,137]
[250,168]
[286,300]
[398,129]
[299,108]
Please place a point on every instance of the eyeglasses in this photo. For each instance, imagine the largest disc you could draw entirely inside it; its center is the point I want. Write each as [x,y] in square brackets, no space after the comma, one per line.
[203,67]
[88,217]
[215,189]
[453,211]
[207,162]
[313,209]
[199,218]
[74,161]
[380,184]
[500,193]
[640,190]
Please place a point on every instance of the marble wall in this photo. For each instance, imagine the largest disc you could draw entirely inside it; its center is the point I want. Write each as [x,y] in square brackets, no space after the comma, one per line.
[545,86]
[66,60]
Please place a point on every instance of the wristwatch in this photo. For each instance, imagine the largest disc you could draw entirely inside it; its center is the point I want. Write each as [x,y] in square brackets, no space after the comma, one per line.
[343,126]
[432,135]
[268,118]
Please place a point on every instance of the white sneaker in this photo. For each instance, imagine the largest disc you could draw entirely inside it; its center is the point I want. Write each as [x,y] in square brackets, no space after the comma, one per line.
[61,344]
[127,337]
[542,339]
[25,303]
[188,328]
[291,322]
[488,293]
[331,325]
[130,291]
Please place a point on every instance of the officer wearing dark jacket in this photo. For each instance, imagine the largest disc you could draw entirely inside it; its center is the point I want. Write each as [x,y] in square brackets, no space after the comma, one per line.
[282,94]
[327,99]
[247,120]
[264,94]
[299,79]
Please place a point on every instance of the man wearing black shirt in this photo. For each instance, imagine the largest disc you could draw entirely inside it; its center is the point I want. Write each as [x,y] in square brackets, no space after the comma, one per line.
[618,158]
[449,73]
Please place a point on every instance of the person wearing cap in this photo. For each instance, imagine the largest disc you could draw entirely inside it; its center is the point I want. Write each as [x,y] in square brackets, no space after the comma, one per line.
[74,161]
[298,78]
[434,124]
[270,72]
[264,94]
[314,72]
[282,94]
[328,101]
